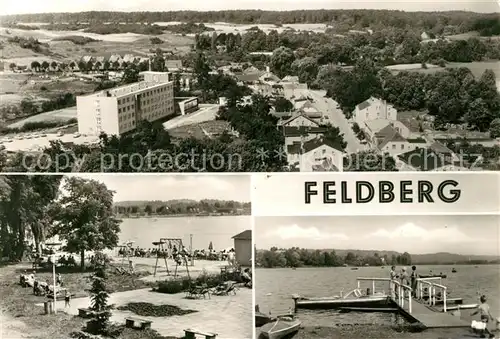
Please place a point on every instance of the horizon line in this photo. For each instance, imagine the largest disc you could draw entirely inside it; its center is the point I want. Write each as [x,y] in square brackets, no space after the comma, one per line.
[256,10]
[372,250]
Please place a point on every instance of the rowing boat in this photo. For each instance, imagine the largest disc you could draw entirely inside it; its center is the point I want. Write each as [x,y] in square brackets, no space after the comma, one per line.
[261,319]
[282,327]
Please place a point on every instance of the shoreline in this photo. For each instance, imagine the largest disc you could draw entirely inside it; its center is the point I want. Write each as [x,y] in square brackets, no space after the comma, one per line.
[361,267]
[375,331]
[181,216]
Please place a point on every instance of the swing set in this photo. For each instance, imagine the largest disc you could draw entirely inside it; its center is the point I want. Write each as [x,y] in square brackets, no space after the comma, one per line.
[126,249]
[171,248]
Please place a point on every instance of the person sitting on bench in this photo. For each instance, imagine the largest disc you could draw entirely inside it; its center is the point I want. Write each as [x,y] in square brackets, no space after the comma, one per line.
[246,277]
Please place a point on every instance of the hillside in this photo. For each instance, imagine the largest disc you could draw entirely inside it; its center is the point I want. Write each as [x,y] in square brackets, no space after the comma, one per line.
[458,21]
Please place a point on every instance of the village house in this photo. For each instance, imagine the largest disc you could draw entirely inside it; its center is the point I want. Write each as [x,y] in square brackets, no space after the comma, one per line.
[389,140]
[315,155]
[372,109]
[425,159]
[373,127]
[300,128]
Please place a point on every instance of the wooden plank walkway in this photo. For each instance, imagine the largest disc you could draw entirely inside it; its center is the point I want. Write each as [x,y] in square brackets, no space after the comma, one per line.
[434,319]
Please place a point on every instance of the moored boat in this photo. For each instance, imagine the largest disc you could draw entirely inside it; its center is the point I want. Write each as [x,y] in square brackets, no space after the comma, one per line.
[261,319]
[453,271]
[282,327]
[443,276]
[354,298]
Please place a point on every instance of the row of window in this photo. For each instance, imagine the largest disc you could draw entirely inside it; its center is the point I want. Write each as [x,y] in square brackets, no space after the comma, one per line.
[147,94]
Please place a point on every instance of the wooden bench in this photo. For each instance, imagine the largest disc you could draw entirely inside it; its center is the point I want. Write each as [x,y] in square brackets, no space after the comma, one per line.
[84,312]
[142,323]
[191,334]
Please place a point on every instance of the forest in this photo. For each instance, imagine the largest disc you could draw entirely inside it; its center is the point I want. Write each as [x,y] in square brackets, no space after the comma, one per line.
[438,23]
[301,257]
[181,207]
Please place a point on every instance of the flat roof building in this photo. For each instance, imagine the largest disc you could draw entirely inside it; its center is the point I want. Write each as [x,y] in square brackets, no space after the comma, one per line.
[119,110]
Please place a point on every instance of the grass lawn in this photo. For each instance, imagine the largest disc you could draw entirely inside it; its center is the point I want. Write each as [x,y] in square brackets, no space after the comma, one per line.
[19,303]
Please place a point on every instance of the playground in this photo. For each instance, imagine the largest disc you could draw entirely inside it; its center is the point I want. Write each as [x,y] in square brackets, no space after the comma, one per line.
[169,260]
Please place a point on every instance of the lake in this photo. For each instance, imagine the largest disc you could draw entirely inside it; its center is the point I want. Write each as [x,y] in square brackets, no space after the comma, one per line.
[274,288]
[218,230]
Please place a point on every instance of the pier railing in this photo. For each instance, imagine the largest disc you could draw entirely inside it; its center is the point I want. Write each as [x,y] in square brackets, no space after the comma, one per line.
[399,292]
[431,290]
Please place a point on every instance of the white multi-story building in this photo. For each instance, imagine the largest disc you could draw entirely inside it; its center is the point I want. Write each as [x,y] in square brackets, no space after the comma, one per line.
[373,109]
[119,110]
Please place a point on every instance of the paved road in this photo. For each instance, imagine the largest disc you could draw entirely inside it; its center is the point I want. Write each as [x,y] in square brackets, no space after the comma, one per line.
[338,119]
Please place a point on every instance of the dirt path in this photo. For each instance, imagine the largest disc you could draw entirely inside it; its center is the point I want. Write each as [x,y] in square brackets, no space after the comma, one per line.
[11,328]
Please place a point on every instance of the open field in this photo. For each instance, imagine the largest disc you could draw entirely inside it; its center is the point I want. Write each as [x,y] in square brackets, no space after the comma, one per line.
[64,114]
[107,44]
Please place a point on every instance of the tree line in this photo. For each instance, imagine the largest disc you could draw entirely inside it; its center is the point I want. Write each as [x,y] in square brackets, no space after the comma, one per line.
[182,207]
[33,210]
[455,22]
[299,257]
[388,46]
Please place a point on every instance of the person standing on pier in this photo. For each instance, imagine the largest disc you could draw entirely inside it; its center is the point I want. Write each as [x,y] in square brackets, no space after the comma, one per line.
[413,278]
[393,276]
[404,279]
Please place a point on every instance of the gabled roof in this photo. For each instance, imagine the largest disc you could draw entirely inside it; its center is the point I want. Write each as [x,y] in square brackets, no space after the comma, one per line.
[245,235]
[424,159]
[297,131]
[440,148]
[297,116]
[249,77]
[364,104]
[389,135]
[377,125]
[311,145]
[290,78]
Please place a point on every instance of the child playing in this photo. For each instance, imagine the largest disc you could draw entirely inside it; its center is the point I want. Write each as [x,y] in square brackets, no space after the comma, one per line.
[67,298]
[484,311]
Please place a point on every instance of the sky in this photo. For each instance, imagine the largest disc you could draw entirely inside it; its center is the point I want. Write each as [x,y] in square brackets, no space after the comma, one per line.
[168,187]
[47,6]
[467,235]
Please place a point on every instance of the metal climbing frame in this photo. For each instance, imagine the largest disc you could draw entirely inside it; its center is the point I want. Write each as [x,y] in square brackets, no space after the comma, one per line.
[165,249]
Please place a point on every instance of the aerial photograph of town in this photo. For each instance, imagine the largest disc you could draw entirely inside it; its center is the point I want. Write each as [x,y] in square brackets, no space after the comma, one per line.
[248,87]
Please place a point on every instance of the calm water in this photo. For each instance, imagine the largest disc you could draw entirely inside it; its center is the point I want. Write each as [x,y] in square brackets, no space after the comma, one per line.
[274,288]
[218,230]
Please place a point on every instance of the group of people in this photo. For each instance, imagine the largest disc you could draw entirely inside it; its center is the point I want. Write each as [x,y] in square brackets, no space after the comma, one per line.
[408,279]
[172,252]
[41,287]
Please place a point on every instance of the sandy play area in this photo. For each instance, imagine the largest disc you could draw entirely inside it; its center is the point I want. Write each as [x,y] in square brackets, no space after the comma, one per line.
[228,316]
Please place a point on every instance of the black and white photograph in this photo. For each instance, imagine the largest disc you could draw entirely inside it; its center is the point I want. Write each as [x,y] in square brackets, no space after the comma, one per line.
[423,277]
[249,86]
[126,256]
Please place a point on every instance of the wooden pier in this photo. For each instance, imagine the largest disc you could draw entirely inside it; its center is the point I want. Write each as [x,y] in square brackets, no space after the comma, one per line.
[422,309]
[432,318]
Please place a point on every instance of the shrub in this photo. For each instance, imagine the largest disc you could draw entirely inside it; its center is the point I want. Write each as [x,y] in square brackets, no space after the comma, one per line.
[150,310]
[183,284]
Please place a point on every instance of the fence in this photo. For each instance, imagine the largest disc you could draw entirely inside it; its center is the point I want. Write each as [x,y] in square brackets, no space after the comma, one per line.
[431,288]
[399,292]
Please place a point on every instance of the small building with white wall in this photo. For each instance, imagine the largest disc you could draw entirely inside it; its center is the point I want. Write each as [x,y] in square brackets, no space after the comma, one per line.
[243,248]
